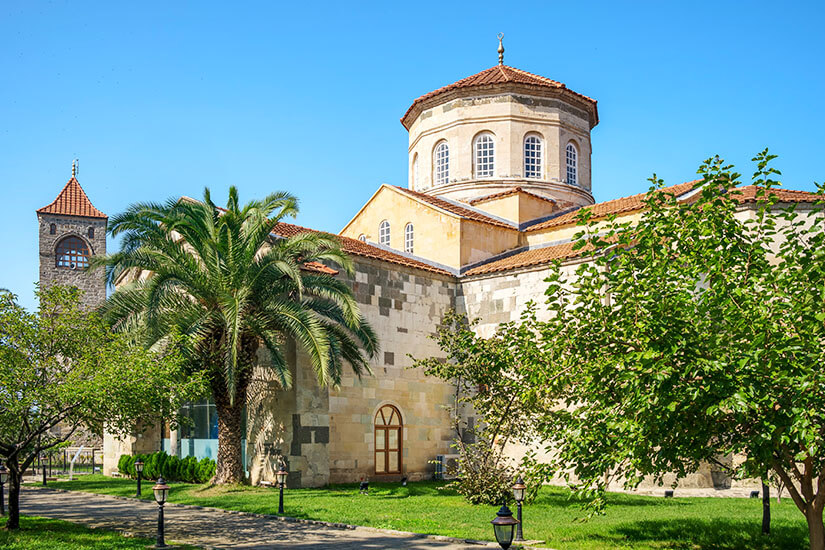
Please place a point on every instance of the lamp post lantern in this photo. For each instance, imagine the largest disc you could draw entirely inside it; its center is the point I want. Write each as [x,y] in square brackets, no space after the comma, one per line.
[280,477]
[139,470]
[161,491]
[43,464]
[4,476]
[518,494]
[503,526]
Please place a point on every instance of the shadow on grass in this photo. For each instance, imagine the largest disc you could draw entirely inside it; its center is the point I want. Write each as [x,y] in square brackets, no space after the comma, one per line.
[712,534]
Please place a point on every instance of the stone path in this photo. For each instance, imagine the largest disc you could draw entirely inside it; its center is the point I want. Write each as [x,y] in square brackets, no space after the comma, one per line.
[217,529]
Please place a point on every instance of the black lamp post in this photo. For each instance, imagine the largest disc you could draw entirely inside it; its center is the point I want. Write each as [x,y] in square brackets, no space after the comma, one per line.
[280,477]
[518,494]
[4,476]
[504,526]
[139,470]
[43,464]
[161,490]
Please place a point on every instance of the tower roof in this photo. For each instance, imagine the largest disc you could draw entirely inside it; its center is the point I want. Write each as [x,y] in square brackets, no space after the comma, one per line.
[492,78]
[72,201]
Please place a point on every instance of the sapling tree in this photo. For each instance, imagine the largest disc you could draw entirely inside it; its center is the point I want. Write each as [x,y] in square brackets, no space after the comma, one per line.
[62,366]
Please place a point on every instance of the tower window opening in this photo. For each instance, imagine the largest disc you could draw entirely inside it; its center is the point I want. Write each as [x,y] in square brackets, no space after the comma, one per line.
[408,238]
[532,157]
[72,253]
[484,156]
[441,164]
[52,229]
[572,164]
[91,232]
[384,233]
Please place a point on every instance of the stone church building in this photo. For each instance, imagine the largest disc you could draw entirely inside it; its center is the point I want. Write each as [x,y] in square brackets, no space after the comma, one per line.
[499,165]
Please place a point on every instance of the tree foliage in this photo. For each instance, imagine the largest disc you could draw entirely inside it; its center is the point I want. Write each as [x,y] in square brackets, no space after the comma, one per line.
[62,367]
[220,279]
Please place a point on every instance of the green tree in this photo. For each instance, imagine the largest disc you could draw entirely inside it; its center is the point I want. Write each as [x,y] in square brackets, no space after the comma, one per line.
[64,367]
[696,333]
[221,280]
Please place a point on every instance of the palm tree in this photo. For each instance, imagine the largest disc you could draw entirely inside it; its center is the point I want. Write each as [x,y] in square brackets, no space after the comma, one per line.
[222,285]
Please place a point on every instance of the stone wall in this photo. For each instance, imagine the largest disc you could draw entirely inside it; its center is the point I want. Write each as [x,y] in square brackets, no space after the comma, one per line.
[90,282]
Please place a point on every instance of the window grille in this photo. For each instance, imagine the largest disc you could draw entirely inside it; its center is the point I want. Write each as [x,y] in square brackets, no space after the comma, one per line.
[408,238]
[441,164]
[72,253]
[572,164]
[484,156]
[532,157]
[384,233]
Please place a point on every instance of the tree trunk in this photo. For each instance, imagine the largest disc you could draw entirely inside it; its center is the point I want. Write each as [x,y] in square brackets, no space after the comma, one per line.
[816,530]
[229,467]
[15,478]
[766,508]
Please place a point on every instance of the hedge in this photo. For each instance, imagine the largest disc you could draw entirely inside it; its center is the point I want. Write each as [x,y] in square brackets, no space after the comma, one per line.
[170,468]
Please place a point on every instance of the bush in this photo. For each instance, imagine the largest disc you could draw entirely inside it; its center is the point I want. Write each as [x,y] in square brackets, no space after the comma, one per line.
[171,468]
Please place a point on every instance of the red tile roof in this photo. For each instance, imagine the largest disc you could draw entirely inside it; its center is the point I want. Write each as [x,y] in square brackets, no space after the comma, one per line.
[456,209]
[604,209]
[528,258]
[784,195]
[358,248]
[501,74]
[507,193]
[72,201]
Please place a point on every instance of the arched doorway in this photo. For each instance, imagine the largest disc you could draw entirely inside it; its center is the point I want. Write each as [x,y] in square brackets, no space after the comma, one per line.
[388,440]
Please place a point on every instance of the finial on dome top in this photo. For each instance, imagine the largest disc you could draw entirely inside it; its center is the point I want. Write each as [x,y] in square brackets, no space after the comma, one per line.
[500,49]
[75,163]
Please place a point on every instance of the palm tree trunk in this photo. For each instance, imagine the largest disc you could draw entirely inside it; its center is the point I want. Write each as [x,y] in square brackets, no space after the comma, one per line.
[229,467]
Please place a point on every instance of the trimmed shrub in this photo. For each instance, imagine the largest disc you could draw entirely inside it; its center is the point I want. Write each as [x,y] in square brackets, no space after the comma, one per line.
[171,468]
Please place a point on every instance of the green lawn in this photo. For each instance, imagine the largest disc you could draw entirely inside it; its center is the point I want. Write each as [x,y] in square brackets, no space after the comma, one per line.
[51,534]
[631,522]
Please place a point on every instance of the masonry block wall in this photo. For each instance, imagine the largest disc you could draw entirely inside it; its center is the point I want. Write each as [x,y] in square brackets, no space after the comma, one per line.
[90,282]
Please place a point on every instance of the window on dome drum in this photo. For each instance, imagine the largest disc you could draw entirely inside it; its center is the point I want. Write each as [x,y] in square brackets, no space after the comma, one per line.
[408,238]
[388,440]
[384,233]
[72,253]
[414,175]
[572,164]
[441,164]
[362,238]
[52,229]
[484,156]
[532,157]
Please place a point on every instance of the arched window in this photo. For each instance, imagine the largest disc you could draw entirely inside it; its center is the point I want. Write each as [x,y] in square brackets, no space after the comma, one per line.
[532,157]
[362,238]
[484,155]
[52,229]
[441,164]
[384,233]
[414,175]
[388,436]
[408,238]
[91,232]
[73,253]
[572,164]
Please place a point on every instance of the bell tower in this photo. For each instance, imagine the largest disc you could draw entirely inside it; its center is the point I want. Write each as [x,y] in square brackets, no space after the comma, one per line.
[72,231]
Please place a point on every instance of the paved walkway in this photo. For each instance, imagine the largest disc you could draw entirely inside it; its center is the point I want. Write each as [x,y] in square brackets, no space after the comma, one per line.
[216,529]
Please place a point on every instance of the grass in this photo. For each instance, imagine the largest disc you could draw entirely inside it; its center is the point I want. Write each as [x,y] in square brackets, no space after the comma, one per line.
[51,534]
[631,522]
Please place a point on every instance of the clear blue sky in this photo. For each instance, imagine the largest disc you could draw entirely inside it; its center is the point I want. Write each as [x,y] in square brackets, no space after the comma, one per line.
[162,99]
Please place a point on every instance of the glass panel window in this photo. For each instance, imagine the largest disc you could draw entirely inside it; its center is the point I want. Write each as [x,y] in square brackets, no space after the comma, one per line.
[388,444]
[572,164]
[362,238]
[532,157]
[441,164]
[73,253]
[379,440]
[408,238]
[392,439]
[485,156]
[380,462]
[384,233]
[394,466]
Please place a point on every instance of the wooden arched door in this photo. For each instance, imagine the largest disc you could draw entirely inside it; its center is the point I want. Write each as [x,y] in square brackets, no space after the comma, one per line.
[388,440]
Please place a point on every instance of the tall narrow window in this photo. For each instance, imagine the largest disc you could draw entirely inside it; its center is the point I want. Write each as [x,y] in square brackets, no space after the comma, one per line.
[414,174]
[388,440]
[72,252]
[484,156]
[572,164]
[52,229]
[91,232]
[441,164]
[384,233]
[532,157]
[408,238]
